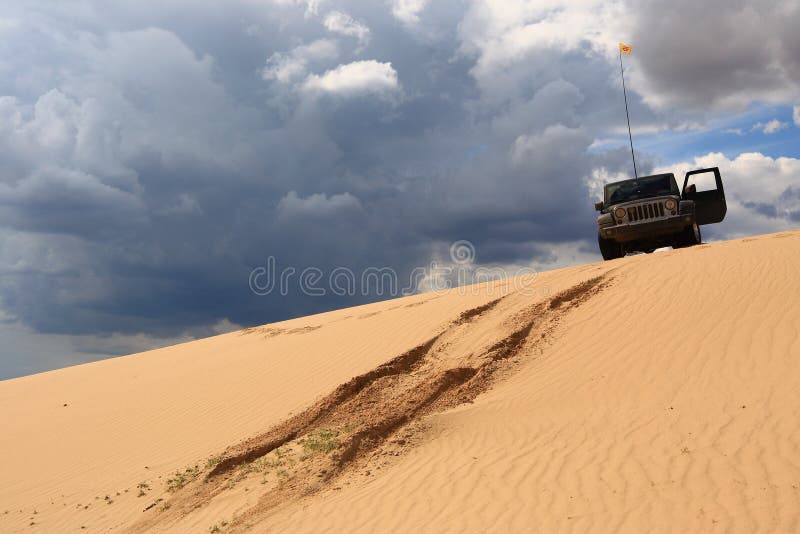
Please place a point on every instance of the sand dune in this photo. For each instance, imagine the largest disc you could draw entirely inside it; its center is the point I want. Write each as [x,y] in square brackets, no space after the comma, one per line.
[652,393]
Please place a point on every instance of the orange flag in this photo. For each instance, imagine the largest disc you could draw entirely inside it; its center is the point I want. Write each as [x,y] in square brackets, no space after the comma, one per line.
[625,48]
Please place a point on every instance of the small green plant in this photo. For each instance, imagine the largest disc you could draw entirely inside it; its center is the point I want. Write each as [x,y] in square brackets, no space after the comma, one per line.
[214,461]
[322,440]
[284,457]
[276,463]
[214,529]
[182,478]
[262,464]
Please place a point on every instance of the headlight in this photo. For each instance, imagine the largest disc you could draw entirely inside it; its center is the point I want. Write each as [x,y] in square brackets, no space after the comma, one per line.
[669,204]
[620,213]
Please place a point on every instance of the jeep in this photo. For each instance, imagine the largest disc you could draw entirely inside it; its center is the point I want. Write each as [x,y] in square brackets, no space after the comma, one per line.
[646,213]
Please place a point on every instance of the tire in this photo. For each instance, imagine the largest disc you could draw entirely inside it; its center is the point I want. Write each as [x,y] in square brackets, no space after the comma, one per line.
[689,237]
[610,250]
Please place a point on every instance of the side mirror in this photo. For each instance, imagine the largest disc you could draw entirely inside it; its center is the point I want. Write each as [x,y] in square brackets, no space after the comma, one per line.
[598,206]
[690,191]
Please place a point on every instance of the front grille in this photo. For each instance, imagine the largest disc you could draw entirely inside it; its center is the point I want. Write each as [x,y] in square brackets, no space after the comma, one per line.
[646,211]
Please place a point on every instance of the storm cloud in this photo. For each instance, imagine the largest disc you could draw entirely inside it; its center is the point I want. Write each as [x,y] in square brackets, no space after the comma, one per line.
[720,54]
[153,156]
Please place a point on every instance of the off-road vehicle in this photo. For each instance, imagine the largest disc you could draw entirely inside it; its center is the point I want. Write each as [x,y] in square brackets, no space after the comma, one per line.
[643,214]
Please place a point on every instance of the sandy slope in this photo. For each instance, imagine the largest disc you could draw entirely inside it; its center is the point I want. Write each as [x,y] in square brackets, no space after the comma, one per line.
[653,393]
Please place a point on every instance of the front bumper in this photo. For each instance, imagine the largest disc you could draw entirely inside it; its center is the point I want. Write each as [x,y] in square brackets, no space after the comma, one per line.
[646,231]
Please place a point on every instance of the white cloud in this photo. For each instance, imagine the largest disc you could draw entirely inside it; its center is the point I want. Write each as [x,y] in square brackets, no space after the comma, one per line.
[770,127]
[734,131]
[796,115]
[344,24]
[761,191]
[283,68]
[750,176]
[407,11]
[503,33]
[357,77]
[287,68]
[312,6]
[597,180]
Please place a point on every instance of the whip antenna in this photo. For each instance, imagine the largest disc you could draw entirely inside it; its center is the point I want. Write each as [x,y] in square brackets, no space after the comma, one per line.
[626,49]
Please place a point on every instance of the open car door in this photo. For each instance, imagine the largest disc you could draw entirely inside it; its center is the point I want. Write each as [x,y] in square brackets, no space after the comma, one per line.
[708,195]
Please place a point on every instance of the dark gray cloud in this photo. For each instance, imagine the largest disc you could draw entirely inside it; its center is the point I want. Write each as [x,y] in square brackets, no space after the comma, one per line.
[152,155]
[786,207]
[719,53]
[768,210]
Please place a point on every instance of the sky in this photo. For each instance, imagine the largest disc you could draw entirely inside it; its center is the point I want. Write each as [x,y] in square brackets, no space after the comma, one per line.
[154,156]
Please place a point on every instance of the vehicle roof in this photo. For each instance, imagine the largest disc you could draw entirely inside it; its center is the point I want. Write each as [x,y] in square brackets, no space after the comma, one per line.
[664,175]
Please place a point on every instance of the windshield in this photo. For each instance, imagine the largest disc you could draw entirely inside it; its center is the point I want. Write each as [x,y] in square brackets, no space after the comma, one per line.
[649,186]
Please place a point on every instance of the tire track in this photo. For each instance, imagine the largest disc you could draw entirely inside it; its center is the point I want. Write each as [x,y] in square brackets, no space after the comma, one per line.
[377,412]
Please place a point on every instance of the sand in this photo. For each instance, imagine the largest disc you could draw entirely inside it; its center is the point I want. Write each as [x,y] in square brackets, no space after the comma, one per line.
[652,393]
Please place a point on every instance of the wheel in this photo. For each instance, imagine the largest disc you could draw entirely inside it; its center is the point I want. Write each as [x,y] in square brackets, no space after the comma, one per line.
[610,249]
[689,237]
